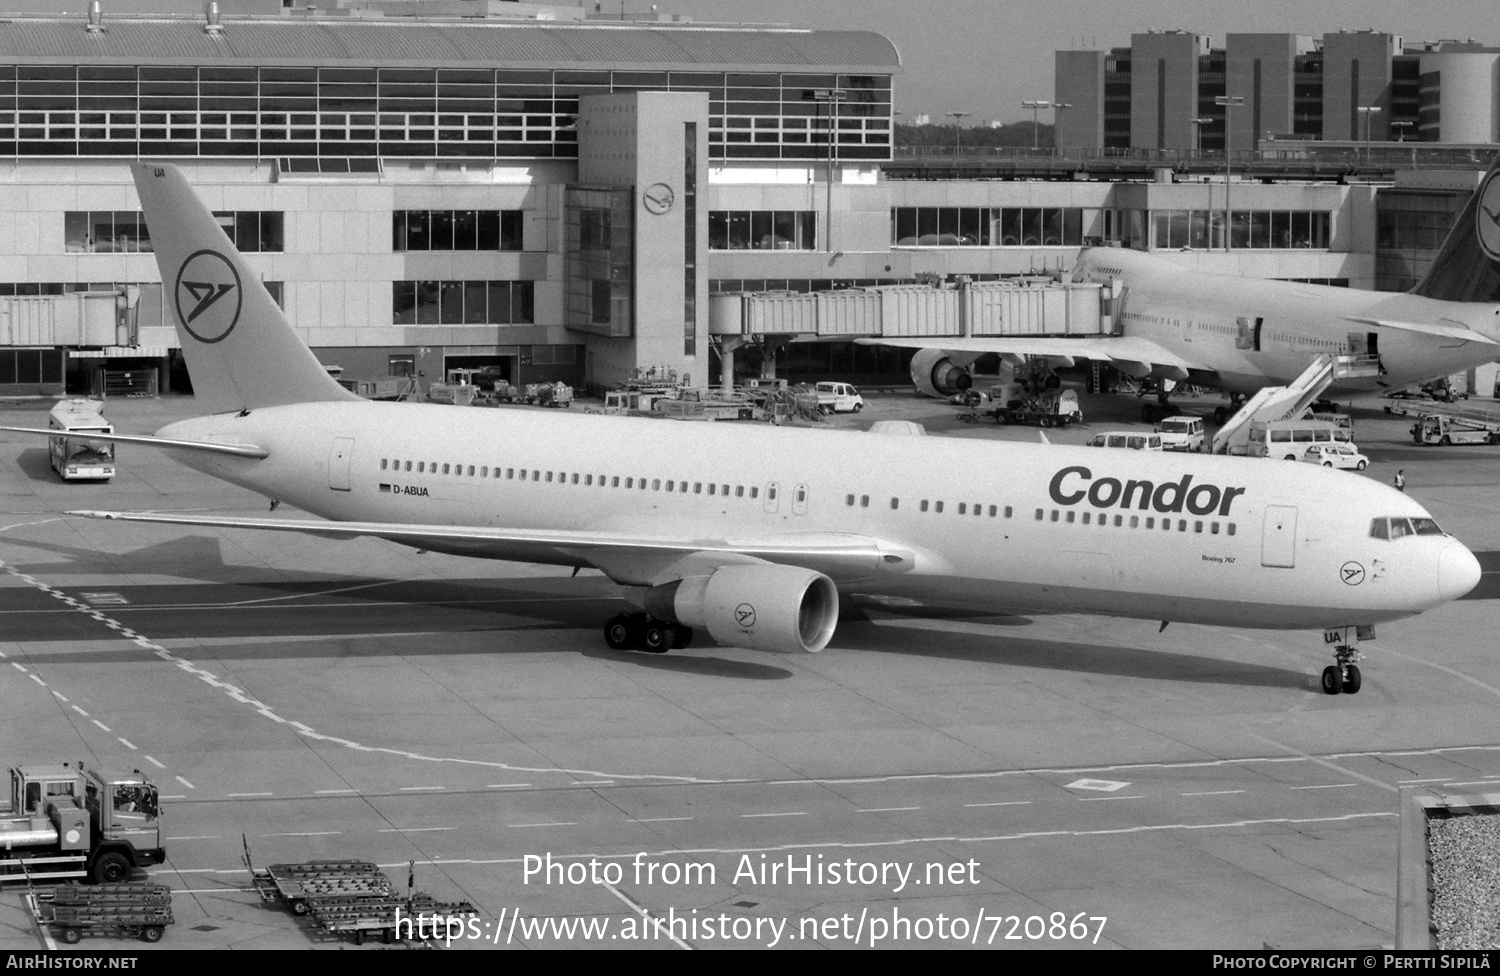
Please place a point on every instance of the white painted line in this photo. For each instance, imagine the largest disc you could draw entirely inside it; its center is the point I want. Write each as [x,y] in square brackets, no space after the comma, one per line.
[245,794]
[564,823]
[1095,799]
[595,782]
[416,789]
[186,783]
[801,814]
[657,928]
[3,654]
[101,725]
[334,791]
[1001,803]
[1473,782]
[204,837]
[1214,793]
[153,761]
[305,833]
[658,819]
[126,742]
[59,695]
[1329,786]
[38,680]
[173,796]
[80,711]
[1430,779]
[413,830]
[887,809]
[506,786]
[18,667]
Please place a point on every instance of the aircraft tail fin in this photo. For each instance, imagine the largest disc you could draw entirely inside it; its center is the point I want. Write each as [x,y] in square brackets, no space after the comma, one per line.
[241,351]
[1467,269]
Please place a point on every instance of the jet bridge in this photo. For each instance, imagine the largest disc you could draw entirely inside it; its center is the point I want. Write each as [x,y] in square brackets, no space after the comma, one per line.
[1286,402]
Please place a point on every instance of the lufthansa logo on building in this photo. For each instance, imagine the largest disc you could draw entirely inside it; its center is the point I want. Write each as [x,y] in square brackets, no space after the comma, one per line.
[1487,219]
[744,615]
[209,296]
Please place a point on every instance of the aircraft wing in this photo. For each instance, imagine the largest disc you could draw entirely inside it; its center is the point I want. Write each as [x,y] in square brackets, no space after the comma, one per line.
[1441,330]
[205,447]
[626,557]
[1123,349]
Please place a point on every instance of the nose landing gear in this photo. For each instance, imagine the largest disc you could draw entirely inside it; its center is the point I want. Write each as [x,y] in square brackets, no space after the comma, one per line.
[641,632]
[1344,676]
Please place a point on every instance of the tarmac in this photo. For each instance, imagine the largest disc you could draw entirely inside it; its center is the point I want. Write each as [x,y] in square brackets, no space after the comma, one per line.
[925,781]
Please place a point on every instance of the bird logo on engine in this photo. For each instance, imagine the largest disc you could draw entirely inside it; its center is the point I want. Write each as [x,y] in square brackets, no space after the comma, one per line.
[208,296]
[744,615]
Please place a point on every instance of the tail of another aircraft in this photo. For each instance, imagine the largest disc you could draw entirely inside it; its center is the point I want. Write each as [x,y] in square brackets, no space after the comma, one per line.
[1467,269]
[240,349]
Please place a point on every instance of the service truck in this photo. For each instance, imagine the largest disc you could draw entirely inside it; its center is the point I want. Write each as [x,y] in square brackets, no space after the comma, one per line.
[63,821]
[75,456]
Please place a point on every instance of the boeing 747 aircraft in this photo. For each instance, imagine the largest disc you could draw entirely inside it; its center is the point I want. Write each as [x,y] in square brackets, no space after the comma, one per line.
[1241,334]
[753,533]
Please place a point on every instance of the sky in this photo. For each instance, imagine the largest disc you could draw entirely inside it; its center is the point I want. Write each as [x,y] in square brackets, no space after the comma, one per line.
[985,56]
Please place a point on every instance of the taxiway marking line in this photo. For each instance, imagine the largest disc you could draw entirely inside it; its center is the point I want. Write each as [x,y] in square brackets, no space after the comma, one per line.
[567,823]
[1214,793]
[186,783]
[1095,799]
[801,813]
[155,762]
[37,680]
[1001,803]
[413,830]
[506,786]
[203,837]
[657,819]
[1327,764]
[1473,782]
[854,845]
[59,695]
[1328,786]
[19,667]
[887,809]
[418,789]
[101,725]
[304,833]
[241,795]
[641,910]
[1430,779]
[80,711]
[335,791]
[126,742]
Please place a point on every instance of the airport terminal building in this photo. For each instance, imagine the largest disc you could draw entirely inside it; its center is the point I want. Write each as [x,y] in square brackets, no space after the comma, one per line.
[526,186]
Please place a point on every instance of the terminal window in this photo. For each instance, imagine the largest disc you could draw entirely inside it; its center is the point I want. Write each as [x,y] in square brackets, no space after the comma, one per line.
[456,230]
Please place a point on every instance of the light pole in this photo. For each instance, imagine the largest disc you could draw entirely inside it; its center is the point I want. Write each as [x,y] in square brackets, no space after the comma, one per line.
[1036,105]
[1198,125]
[1229,102]
[957,132]
[1368,112]
[832,97]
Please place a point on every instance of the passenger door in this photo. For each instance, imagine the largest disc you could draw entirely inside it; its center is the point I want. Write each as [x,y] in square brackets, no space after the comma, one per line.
[339,456]
[1278,541]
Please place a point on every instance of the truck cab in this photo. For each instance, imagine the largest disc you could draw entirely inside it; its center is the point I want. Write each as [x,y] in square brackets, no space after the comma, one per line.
[839,398]
[61,820]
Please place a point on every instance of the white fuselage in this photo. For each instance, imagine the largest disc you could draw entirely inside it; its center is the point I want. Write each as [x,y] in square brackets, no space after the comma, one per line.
[993,526]
[1204,318]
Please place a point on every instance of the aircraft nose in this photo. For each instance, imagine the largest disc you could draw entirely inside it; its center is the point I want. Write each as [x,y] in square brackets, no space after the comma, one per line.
[1458,571]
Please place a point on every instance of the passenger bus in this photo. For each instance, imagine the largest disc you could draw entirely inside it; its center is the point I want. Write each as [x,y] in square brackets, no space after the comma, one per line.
[75,456]
[1290,439]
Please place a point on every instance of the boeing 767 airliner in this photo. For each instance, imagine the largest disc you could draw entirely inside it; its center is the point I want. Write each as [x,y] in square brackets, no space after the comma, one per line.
[753,533]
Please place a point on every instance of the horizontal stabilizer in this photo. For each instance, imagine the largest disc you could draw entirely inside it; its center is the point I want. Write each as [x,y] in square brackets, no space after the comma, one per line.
[202,447]
[1437,329]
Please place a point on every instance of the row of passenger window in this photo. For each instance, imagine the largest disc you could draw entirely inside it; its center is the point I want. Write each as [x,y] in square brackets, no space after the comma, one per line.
[565,477]
[1132,521]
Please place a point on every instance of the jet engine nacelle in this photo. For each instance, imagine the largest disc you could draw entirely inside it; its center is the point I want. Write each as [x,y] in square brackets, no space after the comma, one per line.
[937,374]
[767,607]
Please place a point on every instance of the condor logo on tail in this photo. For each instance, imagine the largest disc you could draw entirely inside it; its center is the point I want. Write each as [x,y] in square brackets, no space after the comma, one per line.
[1487,216]
[209,296]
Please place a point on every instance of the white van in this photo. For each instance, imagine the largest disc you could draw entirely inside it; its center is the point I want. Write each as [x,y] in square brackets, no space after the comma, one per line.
[1181,434]
[1130,439]
[839,398]
[1290,439]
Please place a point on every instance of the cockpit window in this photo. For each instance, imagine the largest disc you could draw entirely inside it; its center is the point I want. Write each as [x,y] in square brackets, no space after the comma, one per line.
[1396,528]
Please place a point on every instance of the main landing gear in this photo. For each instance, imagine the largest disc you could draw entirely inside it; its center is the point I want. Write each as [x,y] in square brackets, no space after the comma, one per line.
[641,632]
[1344,676]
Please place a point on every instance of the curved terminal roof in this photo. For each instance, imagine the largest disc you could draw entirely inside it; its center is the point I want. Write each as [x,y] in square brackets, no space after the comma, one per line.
[376,43]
